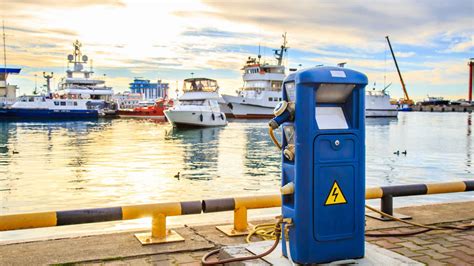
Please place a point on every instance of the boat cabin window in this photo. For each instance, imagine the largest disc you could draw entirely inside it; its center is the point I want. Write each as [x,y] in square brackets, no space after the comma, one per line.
[192,102]
[252,70]
[200,84]
[56,103]
[95,97]
[276,85]
[75,103]
[63,103]
[31,99]
[270,99]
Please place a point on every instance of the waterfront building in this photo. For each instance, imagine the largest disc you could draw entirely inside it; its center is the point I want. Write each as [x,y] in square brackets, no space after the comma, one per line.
[149,90]
[7,91]
[127,100]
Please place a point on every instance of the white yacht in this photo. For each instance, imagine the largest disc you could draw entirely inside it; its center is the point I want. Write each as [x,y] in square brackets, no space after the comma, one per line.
[78,96]
[43,107]
[79,84]
[377,104]
[261,91]
[198,105]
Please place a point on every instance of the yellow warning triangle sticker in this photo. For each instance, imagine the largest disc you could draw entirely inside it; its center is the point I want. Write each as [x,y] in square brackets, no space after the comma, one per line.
[335,196]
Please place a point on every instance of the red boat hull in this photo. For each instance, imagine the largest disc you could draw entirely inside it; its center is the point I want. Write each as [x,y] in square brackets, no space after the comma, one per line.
[150,112]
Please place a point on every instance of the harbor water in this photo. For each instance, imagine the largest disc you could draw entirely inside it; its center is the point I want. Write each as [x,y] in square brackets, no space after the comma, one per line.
[85,164]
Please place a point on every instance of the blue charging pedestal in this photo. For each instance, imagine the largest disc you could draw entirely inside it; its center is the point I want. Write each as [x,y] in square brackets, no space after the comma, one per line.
[326,203]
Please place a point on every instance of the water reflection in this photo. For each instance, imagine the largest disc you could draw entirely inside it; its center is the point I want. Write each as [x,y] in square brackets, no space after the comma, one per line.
[258,146]
[380,121]
[200,151]
[117,162]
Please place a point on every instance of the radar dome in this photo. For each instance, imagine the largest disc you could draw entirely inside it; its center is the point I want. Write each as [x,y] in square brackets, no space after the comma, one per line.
[84,58]
[70,57]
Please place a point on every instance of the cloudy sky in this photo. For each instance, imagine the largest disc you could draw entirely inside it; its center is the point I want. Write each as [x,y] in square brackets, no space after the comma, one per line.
[170,39]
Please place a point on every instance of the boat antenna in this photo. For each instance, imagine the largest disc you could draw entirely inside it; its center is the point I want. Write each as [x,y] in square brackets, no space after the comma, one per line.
[4,50]
[48,78]
[283,48]
[385,67]
[259,55]
[386,87]
[36,86]
[177,88]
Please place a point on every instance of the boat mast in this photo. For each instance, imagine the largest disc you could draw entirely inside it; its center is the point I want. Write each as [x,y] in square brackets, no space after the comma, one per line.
[407,98]
[4,50]
[259,55]
[283,48]
[48,81]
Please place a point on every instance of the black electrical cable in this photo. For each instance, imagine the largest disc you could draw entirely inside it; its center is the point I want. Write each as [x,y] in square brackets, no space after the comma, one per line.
[205,261]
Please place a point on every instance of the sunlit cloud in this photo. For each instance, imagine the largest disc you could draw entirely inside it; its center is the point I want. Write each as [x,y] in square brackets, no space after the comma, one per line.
[170,39]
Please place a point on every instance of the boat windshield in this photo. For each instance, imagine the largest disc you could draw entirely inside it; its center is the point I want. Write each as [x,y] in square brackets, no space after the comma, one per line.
[262,85]
[192,102]
[207,85]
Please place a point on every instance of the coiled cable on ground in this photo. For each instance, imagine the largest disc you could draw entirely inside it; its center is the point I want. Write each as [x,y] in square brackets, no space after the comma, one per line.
[265,231]
[425,229]
[277,232]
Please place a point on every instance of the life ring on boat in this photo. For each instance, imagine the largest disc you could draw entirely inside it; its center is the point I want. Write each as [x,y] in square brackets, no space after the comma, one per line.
[213,116]
[200,117]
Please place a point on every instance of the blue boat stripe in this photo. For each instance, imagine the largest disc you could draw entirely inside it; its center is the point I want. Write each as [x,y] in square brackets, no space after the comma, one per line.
[89,216]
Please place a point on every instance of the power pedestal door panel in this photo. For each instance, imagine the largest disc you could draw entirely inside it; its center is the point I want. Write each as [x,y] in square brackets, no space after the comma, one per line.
[335,148]
[334,202]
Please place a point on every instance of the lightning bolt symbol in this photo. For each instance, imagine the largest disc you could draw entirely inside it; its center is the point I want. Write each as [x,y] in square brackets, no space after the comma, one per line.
[335,194]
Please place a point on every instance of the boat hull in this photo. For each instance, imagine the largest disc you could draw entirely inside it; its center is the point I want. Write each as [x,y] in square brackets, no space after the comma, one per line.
[381,113]
[179,118]
[245,111]
[226,110]
[141,114]
[248,108]
[25,113]
[155,117]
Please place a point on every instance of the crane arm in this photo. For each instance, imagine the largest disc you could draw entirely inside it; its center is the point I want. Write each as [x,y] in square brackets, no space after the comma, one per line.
[407,98]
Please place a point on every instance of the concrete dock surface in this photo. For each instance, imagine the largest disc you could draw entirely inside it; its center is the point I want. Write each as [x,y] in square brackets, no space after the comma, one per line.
[445,247]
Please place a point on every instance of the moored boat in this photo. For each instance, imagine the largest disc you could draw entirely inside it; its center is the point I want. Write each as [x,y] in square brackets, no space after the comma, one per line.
[79,96]
[155,111]
[198,105]
[434,101]
[377,104]
[43,107]
[261,91]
